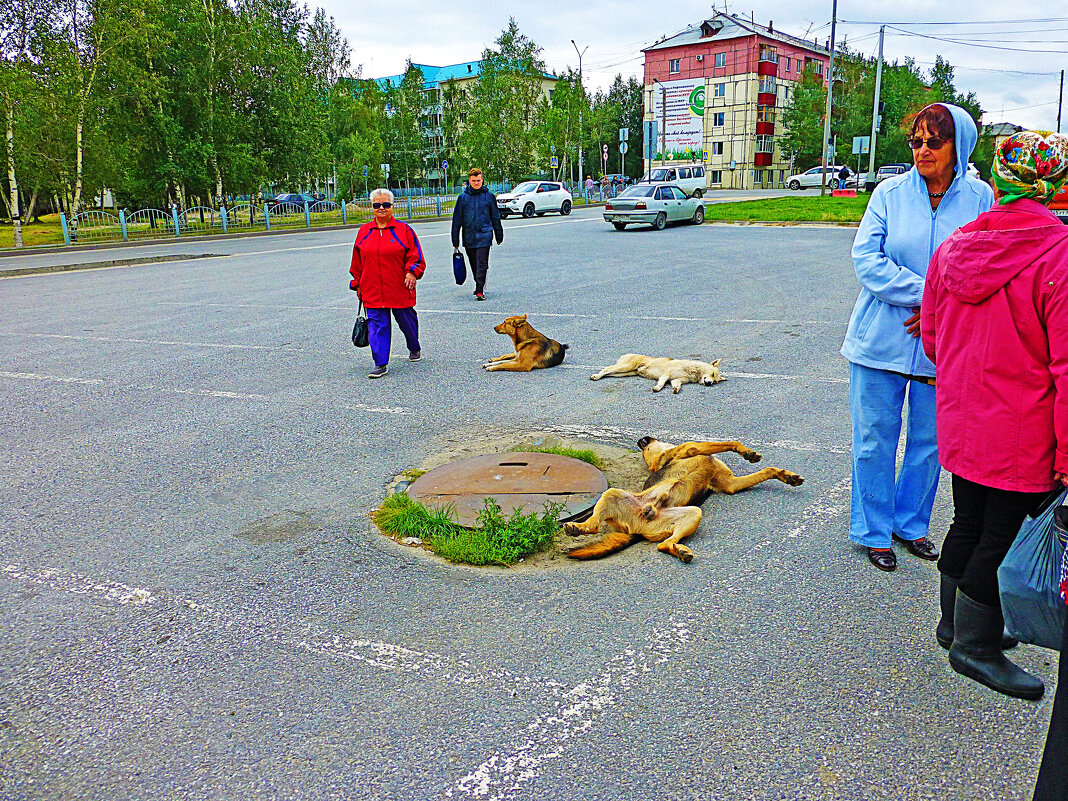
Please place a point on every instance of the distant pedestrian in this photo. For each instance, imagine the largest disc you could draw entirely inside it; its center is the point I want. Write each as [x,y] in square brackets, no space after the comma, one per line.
[387,260]
[476,215]
[995,323]
[843,176]
[908,217]
[589,186]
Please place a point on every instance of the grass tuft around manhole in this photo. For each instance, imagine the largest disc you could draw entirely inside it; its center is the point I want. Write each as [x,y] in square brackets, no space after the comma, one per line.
[583,454]
[495,539]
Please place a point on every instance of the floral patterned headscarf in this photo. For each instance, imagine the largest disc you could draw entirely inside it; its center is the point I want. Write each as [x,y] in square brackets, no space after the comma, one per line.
[1031,164]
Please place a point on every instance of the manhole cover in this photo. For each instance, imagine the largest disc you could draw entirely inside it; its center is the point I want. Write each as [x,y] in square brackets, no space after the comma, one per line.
[518,480]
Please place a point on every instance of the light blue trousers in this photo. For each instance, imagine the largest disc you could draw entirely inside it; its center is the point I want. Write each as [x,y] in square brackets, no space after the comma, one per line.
[883,503]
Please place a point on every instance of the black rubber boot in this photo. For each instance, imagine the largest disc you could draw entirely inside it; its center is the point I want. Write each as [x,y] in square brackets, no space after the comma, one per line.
[947,601]
[976,651]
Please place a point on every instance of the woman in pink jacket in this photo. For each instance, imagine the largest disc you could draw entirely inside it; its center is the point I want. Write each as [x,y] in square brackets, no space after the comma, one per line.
[994,320]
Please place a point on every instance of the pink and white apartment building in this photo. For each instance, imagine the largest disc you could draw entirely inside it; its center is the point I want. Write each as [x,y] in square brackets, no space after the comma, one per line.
[716,92]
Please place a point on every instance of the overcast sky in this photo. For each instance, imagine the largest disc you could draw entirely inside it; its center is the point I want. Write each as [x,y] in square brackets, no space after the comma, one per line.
[1015,70]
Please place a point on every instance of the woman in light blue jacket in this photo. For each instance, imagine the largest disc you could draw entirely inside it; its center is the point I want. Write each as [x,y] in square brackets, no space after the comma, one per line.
[907,218]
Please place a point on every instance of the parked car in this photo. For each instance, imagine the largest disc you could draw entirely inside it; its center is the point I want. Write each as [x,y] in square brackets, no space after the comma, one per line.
[890,170]
[535,197]
[690,178]
[1059,206]
[809,178]
[655,205]
[297,198]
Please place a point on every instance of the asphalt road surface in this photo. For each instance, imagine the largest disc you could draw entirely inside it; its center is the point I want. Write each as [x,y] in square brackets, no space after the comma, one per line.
[163,424]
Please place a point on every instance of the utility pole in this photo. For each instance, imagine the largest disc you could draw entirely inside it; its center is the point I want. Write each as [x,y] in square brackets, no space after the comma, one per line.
[875,108]
[830,88]
[587,47]
[1060,102]
[663,124]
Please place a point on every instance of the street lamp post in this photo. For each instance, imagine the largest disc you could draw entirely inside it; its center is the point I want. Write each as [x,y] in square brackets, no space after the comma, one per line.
[587,47]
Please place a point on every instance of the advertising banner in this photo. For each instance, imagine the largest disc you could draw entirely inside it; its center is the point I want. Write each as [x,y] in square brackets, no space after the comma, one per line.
[684,129]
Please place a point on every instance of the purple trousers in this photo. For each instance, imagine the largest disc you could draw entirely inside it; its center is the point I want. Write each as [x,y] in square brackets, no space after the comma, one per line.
[379,331]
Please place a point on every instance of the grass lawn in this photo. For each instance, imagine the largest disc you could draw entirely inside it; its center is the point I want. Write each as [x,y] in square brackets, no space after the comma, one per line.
[46,232]
[791,209]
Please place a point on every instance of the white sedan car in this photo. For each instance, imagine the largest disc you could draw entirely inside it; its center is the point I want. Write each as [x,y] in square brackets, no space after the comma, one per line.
[655,205]
[809,178]
[535,197]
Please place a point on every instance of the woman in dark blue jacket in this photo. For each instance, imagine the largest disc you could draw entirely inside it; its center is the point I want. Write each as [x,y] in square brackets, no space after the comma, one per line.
[476,213]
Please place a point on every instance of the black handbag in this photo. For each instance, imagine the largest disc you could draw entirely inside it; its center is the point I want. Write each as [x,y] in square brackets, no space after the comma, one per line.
[459,267]
[359,330]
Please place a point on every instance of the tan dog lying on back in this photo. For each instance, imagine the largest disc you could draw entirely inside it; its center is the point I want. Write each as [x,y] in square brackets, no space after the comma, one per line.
[662,370]
[533,350]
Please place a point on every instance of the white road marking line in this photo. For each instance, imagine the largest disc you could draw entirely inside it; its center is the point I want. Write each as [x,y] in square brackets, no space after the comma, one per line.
[504,774]
[208,393]
[149,341]
[492,313]
[830,507]
[77,584]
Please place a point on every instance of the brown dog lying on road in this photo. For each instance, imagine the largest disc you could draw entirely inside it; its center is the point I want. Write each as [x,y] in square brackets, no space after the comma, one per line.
[662,370]
[533,350]
[668,507]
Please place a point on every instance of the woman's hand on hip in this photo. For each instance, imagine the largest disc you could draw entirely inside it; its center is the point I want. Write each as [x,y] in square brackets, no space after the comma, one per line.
[1061,477]
[912,325]
[409,280]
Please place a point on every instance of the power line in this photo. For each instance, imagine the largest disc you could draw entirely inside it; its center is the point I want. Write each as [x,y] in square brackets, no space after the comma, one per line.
[957,22]
[973,44]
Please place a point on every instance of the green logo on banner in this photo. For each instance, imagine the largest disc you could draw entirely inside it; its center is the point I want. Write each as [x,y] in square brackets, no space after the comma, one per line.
[697,101]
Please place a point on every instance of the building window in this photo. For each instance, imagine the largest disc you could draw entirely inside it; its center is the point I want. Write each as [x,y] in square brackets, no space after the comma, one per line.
[715,176]
[717,148]
[721,59]
[766,114]
[767,84]
[718,119]
[768,53]
[758,176]
[719,90]
[673,65]
[765,143]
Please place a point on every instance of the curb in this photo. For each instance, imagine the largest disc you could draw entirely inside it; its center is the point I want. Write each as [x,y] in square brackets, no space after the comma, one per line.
[18,272]
[786,223]
[29,251]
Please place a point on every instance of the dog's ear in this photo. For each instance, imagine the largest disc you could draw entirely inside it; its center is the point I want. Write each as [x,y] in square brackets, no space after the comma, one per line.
[716,363]
[522,318]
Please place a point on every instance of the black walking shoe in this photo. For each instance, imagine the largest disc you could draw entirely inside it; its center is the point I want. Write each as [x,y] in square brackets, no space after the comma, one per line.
[415,355]
[883,558]
[922,547]
[976,651]
[378,372]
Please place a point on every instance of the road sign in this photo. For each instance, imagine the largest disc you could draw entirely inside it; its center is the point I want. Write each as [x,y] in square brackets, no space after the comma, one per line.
[623,148]
[364,170]
[650,134]
[444,165]
[552,148]
[861,144]
[623,134]
[385,169]
[604,150]
[554,162]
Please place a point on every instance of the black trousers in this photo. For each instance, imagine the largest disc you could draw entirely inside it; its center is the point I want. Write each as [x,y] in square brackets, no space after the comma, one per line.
[478,258]
[985,522]
[1053,775]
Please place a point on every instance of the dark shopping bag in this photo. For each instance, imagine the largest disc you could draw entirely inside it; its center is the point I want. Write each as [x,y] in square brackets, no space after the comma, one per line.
[459,267]
[1029,578]
[359,330]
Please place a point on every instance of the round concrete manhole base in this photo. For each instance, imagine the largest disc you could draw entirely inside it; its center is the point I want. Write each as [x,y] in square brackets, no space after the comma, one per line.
[515,480]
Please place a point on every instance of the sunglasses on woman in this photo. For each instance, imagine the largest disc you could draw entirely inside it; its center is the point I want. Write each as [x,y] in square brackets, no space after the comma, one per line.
[381,205]
[934,143]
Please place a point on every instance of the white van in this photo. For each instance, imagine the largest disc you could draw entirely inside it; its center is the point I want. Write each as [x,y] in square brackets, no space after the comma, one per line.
[691,177]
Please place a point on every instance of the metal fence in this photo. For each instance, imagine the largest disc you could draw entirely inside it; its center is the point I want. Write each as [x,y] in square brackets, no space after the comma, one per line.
[101,226]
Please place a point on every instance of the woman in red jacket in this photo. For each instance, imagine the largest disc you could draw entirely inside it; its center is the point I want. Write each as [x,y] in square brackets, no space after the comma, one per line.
[387,260]
[994,320]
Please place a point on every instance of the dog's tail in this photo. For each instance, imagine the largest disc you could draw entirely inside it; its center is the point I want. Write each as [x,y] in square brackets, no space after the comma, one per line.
[612,541]
[557,356]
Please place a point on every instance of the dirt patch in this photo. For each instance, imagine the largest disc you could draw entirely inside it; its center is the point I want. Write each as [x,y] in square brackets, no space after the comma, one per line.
[280,527]
[623,467]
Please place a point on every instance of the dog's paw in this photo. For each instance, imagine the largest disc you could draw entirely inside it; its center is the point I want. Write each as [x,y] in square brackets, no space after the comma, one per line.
[572,530]
[649,511]
[657,389]
[750,456]
[675,390]
[684,553]
[595,377]
[793,479]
